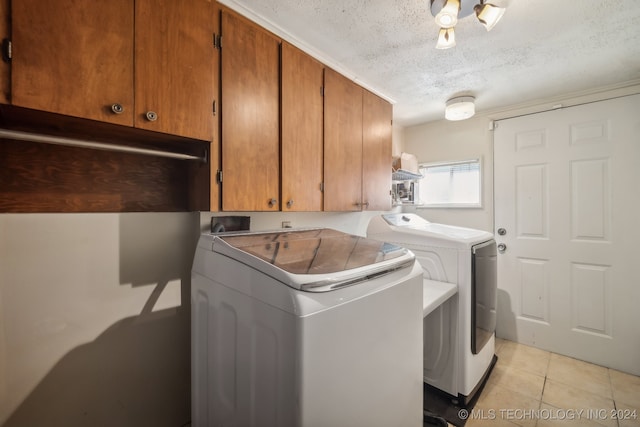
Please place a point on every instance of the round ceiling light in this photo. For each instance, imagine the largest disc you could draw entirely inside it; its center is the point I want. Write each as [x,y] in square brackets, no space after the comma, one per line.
[460,108]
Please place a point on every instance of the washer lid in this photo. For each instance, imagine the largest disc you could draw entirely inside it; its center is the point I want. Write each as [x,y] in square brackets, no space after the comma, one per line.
[315,260]
[411,229]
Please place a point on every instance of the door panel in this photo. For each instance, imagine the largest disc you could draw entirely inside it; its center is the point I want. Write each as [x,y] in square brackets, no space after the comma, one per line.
[302,80]
[5,68]
[342,143]
[376,152]
[215,147]
[590,187]
[73,57]
[531,201]
[251,116]
[174,67]
[565,194]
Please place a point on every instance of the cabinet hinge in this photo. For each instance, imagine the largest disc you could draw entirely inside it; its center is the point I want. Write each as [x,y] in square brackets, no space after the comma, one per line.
[321,90]
[322,187]
[219,177]
[215,108]
[6,50]
[217,41]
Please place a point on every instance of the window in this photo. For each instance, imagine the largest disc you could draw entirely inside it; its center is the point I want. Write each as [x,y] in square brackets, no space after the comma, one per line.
[453,184]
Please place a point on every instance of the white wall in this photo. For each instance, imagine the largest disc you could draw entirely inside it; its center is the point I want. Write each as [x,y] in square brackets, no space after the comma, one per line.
[95,319]
[469,139]
[448,141]
[348,222]
[95,314]
[397,141]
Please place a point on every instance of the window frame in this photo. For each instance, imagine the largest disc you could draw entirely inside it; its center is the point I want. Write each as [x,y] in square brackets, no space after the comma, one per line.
[425,205]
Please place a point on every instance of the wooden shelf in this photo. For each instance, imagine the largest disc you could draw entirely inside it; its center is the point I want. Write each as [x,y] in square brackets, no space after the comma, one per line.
[37,177]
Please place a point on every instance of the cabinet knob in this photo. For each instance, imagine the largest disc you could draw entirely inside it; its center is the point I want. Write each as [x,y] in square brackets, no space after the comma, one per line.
[290,203]
[151,116]
[117,108]
[273,202]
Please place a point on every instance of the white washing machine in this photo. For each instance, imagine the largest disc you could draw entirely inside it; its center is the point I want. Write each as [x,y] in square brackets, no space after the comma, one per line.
[459,336]
[305,328]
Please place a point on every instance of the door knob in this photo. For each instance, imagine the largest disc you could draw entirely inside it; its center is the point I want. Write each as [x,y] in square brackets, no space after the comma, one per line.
[502,248]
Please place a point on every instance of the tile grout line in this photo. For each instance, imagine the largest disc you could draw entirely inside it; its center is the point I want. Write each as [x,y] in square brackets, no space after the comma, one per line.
[613,396]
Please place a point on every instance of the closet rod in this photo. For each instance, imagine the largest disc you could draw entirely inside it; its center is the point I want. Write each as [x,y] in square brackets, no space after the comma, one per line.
[47,139]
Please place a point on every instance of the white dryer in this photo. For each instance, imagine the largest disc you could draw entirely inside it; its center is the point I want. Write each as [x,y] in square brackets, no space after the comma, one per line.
[459,336]
[305,328]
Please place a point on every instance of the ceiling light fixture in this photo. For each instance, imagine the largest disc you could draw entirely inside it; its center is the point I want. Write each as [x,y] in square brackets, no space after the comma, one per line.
[488,14]
[446,38]
[447,13]
[460,108]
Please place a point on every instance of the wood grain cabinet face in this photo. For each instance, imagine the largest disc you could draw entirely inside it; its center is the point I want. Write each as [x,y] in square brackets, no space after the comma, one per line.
[376,152]
[357,147]
[74,58]
[174,67]
[5,69]
[302,126]
[250,116]
[84,59]
[342,143]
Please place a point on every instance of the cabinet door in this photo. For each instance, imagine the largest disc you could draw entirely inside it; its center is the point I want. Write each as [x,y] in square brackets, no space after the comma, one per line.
[73,57]
[5,33]
[376,152]
[250,116]
[174,60]
[302,80]
[214,152]
[342,143]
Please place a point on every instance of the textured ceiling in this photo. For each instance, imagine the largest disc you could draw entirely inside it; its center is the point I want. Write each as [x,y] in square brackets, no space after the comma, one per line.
[540,48]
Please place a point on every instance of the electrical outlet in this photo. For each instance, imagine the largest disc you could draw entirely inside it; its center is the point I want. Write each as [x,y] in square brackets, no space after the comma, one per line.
[286,224]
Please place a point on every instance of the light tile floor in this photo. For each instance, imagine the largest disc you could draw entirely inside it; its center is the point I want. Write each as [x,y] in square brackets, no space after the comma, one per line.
[535,388]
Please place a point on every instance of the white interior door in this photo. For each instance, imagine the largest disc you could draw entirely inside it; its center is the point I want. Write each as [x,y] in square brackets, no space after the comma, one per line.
[567,195]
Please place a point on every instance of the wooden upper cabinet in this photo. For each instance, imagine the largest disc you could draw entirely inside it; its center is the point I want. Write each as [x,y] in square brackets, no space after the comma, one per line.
[214,151]
[174,67]
[250,116]
[342,143]
[302,126]
[5,70]
[79,58]
[74,57]
[376,152]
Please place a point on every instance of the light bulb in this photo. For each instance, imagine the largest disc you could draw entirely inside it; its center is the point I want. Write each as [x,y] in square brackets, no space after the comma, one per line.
[448,16]
[446,38]
[488,14]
